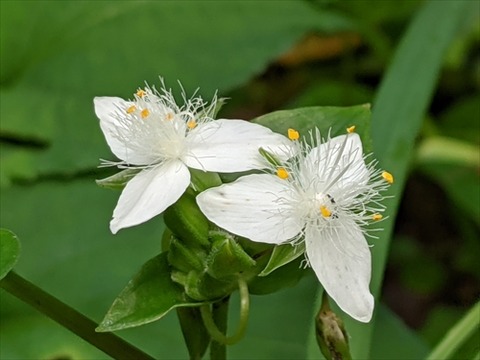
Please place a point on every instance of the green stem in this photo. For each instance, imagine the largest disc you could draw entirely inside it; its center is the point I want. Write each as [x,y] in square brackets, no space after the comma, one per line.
[457,335]
[69,318]
[212,328]
[218,350]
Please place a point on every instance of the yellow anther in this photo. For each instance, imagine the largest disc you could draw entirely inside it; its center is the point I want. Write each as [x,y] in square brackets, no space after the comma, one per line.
[131,109]
[144,113]
[388,177]
[325,212]
[377,217]
[282,173]
[191,124]
[141,93]
[169,116]
[351,129]
[293,134]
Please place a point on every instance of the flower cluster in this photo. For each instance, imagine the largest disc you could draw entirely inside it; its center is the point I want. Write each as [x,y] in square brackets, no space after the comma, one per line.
[320,191]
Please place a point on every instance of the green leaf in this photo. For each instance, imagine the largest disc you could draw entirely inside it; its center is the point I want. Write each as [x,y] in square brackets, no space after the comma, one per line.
[119,180]
[282,255]
[146,298]
[62,54]
[9,250]
[79,243]
[325,118]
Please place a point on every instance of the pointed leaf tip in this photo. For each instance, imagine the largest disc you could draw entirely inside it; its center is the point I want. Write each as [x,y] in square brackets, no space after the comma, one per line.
[148,296]
[10,250]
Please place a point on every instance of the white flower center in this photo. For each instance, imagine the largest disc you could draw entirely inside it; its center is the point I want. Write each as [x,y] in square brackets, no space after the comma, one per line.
[318,208]
[153,131]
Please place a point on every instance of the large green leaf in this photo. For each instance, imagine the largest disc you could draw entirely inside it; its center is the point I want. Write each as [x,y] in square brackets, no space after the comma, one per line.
[9,250]
[326,118]
[31,336]
[68,251]
[56,56]
[146,298]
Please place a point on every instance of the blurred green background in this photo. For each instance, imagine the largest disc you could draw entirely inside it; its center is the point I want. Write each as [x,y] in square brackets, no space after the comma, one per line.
[264,55]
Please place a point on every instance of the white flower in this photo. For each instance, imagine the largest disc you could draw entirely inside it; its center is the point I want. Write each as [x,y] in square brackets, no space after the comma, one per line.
[325,196]
[152,133]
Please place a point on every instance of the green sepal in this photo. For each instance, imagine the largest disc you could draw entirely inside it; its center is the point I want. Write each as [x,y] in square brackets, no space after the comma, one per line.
[282,255]
[194,332]
[148,296]
[185,258]
[269,157]
[202,180]
[286,276]
[227,258]
[203,287]
[10,250]
[187,222]
[167,237]
[119,180]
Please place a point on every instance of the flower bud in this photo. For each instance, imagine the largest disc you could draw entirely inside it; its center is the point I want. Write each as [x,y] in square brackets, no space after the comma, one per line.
[202,180]
[227,259]
[332,337]
[187,222]
[185,258]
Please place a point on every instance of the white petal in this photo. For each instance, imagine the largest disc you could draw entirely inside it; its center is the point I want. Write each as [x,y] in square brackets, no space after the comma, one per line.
[149,193]
[257,207]
[232,146]
[112,114]
[341,260]
[339,162]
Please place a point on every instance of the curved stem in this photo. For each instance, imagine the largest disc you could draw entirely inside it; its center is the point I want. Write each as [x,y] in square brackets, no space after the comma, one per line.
[218,351]
[212,328]
[70,318]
